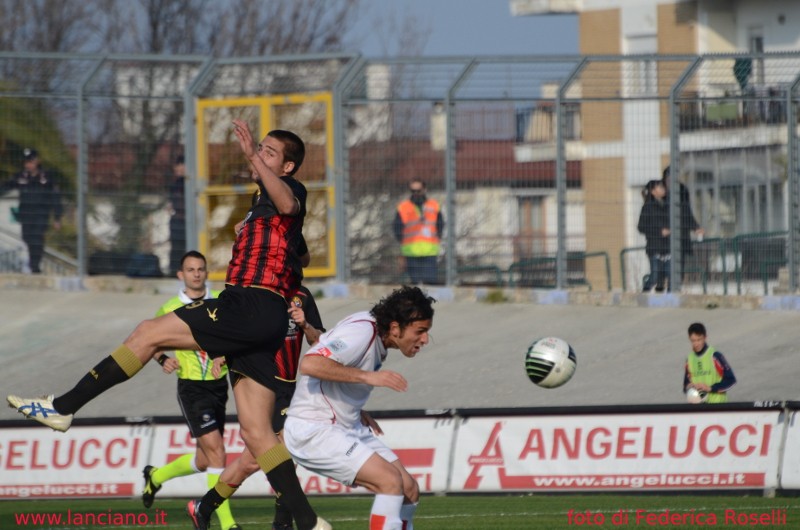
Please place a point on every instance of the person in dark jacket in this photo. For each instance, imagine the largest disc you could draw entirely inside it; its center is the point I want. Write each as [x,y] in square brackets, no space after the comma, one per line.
[39,200]
[177,209]
[688,223]
[654,224]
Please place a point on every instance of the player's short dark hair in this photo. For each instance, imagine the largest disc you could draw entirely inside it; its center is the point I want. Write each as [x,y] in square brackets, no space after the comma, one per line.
[294,150]
[192,254]
[697,329]
[404,306]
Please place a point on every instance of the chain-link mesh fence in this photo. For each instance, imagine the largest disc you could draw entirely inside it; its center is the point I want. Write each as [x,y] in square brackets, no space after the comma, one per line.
[536,164]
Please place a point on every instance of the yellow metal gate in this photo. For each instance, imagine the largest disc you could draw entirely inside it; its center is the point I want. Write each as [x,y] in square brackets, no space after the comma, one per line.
[223,180]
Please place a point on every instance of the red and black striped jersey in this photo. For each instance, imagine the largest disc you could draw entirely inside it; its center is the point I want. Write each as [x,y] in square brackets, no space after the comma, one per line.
[265,253]
[288,357]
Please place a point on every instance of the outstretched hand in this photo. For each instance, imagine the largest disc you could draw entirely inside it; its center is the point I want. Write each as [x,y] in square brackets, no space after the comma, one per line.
[246,142]
[388,379]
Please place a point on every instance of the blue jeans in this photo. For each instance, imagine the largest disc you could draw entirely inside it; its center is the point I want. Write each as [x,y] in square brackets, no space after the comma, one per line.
[660,267]
[422,270]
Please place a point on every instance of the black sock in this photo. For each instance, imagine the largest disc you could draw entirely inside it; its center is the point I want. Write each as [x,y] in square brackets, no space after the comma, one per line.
[210,502]
[216,496]
[283,515]
[118,367]
[283,480]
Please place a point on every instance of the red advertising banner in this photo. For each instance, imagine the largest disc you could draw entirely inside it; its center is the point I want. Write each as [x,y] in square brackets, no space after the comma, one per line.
[618,452]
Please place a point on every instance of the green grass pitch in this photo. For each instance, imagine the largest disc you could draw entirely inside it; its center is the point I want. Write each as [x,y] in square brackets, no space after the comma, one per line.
[453,512]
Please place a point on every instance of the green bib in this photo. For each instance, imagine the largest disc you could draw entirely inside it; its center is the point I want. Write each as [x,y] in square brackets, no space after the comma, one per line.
[702,370]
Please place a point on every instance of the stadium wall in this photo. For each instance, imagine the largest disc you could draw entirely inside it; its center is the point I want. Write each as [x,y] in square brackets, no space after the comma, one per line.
[739,446]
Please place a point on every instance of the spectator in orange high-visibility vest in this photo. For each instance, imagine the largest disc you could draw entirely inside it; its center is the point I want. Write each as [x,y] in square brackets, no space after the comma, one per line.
[418,227]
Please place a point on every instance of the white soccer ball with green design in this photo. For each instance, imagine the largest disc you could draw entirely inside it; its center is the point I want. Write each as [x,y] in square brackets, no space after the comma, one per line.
[550,362]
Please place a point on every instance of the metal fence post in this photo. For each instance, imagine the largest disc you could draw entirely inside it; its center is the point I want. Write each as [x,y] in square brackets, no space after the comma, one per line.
[83,174]
[793,173]
[674,163]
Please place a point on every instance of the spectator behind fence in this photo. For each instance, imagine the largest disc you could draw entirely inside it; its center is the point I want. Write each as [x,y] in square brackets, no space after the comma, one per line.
[177,210]
[688,223]
[39,198]
[418,227]
[654,224]
[707,370]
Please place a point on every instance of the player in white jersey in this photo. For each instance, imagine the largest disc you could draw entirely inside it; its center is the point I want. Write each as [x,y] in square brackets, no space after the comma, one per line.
[326,429]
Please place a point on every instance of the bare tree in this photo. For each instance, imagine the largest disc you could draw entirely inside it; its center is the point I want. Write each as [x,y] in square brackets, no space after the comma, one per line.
[177,27]
[47,25]
[405,35]
[254,27]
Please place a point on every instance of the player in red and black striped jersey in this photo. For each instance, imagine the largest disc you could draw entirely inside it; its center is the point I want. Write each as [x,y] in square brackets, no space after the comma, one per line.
[305,321]
[265,253]
[247,323]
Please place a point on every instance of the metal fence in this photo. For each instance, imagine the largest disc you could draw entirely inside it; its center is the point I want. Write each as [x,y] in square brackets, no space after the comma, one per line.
[538,162]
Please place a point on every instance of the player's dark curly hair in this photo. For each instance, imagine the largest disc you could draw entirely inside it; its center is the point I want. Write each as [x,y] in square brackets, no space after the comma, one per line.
[294,150]
[404,306]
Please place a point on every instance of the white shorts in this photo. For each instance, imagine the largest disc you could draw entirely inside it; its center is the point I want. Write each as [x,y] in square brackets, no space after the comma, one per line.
[332,450]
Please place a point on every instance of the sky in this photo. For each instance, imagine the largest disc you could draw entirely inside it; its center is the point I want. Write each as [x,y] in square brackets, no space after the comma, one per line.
[469,27]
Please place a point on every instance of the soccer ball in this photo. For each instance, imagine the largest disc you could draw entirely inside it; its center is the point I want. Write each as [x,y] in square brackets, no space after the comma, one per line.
[696,396]
[550,362]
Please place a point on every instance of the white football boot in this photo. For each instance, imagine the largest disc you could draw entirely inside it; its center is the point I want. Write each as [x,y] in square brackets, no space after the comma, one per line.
[41,409]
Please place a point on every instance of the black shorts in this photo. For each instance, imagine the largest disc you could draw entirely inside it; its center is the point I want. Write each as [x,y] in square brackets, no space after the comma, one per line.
[282,400]
[203,405]
[245,324]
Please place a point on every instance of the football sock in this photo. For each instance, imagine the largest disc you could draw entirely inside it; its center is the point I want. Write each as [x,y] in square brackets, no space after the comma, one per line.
[223,511]
[407,515]
[180,467]
[283,516]
[216,496]
[277,464]
[385,513]
[118,367]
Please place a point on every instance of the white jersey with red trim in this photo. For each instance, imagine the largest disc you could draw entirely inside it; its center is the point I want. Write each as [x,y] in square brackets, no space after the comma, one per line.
[352,342]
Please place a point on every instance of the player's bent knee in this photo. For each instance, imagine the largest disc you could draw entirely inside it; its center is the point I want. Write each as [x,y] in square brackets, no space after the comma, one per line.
[383,478]
[143,340]
[411,490]
[257,440]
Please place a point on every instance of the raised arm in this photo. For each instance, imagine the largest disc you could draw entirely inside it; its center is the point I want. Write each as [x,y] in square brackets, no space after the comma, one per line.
[279,192]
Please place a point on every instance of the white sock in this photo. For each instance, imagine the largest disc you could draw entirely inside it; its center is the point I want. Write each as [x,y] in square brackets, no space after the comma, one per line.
[215,470]
[407,514]
[194,463]
[386,512]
